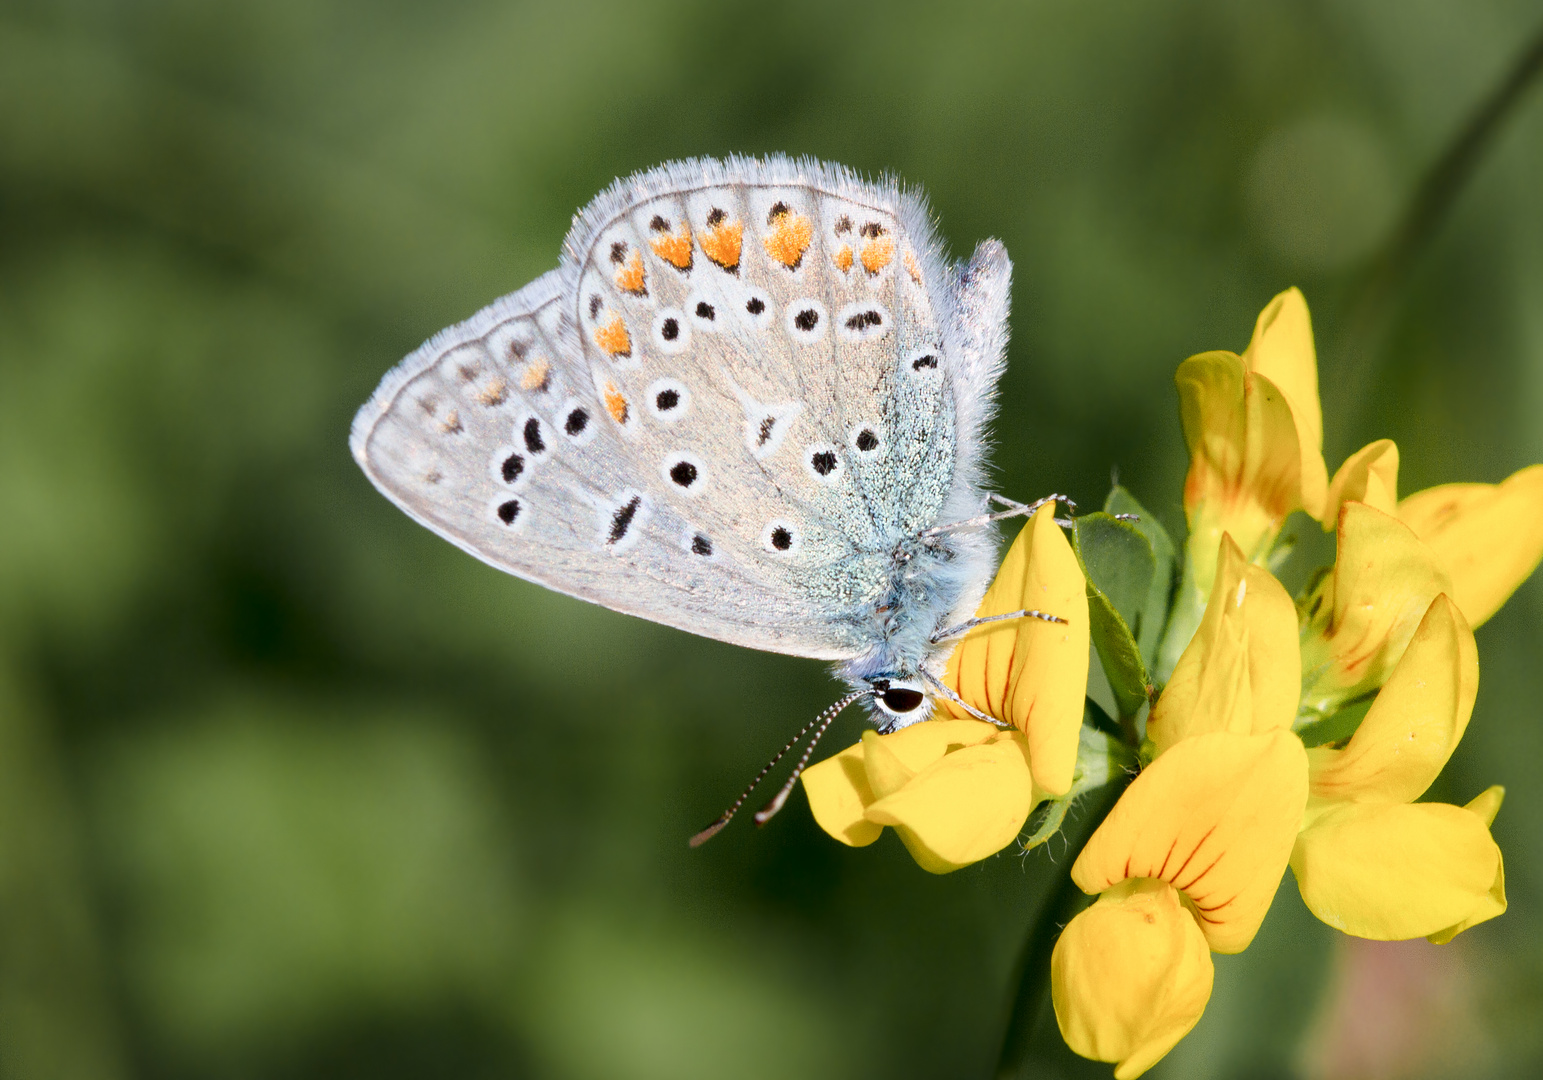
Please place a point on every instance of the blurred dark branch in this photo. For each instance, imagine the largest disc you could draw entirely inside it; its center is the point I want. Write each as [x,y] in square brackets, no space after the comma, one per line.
[1432,202]
[1032,974]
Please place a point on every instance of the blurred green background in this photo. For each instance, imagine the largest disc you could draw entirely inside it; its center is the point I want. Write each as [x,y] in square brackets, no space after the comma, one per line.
[291,788]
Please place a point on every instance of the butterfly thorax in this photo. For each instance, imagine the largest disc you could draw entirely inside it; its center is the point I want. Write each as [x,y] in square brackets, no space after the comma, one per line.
[933,582]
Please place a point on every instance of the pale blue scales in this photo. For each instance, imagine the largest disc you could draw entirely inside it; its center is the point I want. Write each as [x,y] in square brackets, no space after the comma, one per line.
[741,406]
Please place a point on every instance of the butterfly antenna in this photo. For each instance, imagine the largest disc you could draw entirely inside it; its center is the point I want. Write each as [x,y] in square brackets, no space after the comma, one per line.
[818,726]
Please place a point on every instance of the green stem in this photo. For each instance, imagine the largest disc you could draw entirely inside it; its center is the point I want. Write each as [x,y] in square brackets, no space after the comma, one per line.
[1033,969]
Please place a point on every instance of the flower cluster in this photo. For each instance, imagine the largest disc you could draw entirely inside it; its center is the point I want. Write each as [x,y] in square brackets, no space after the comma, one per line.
[1269,732]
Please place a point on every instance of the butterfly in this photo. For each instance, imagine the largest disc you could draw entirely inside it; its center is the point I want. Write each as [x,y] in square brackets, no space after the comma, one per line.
[750,403]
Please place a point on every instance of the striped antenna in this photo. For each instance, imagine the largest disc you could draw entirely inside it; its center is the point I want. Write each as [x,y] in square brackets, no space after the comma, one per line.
[818,725]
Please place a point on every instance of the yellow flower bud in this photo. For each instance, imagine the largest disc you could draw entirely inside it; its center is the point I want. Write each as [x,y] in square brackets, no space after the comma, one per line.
[1130,976]
[1242,670]
[1255,434]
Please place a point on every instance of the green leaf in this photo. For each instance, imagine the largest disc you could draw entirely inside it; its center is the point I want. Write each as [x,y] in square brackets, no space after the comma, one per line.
[1147,624]
[1118,563]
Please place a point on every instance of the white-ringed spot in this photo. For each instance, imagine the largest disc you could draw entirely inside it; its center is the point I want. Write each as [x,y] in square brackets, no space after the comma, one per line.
[823,463]
[781,537]
[867,439]
[672,331]
[862,321]
[806,320]
[668,399]
[684,473]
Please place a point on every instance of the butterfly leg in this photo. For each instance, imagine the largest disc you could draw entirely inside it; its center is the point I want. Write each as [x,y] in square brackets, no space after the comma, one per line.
[1015,509]
[970,624]
[947,691]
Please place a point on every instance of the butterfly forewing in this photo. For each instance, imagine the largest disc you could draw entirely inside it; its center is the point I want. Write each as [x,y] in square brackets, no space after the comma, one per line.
[719,414]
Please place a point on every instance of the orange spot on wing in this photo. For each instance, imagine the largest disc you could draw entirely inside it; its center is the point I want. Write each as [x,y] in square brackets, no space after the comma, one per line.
[493,393]
[878,253]
[615,403]
[674,248]
[536,375]
[630,278]
[721,243]
[843,258]
[789,238]
[912,266]
[451,424]
[613,338]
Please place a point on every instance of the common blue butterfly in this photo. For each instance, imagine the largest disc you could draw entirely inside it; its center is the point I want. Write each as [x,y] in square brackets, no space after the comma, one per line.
[749,403]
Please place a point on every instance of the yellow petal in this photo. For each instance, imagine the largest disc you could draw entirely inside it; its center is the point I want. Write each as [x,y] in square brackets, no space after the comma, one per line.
[842,787]
[1488,536]
[1370,476]
[838,793]
[1215,817]
[1364,614]
[1026,672]
[1486,806]
[1130,976]
[970,804]
[1282,351]
[1416,722]
[1241,672]
[1391,871]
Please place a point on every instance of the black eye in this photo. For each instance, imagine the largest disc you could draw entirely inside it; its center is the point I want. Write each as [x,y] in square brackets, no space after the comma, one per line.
[704,310]
[899,699]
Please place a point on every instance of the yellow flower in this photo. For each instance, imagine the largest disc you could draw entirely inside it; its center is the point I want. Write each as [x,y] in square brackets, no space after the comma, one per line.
[1369,860]
[1026,672]
[1255,434]
[959,790]
[955,791]
[1188,860]
[1191,856]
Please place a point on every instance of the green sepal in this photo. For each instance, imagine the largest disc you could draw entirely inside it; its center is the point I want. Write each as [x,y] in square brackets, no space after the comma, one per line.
[1101,756]
[1336,727]
[1118,562]
[1152,616]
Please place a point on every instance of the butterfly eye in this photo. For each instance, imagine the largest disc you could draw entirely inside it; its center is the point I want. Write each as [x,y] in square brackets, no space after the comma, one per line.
[900,700]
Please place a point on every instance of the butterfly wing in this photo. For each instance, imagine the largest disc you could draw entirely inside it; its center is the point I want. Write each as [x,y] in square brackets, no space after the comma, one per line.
[719,413]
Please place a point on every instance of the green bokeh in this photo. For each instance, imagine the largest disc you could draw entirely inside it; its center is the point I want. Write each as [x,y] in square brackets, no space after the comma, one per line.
[291,788]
